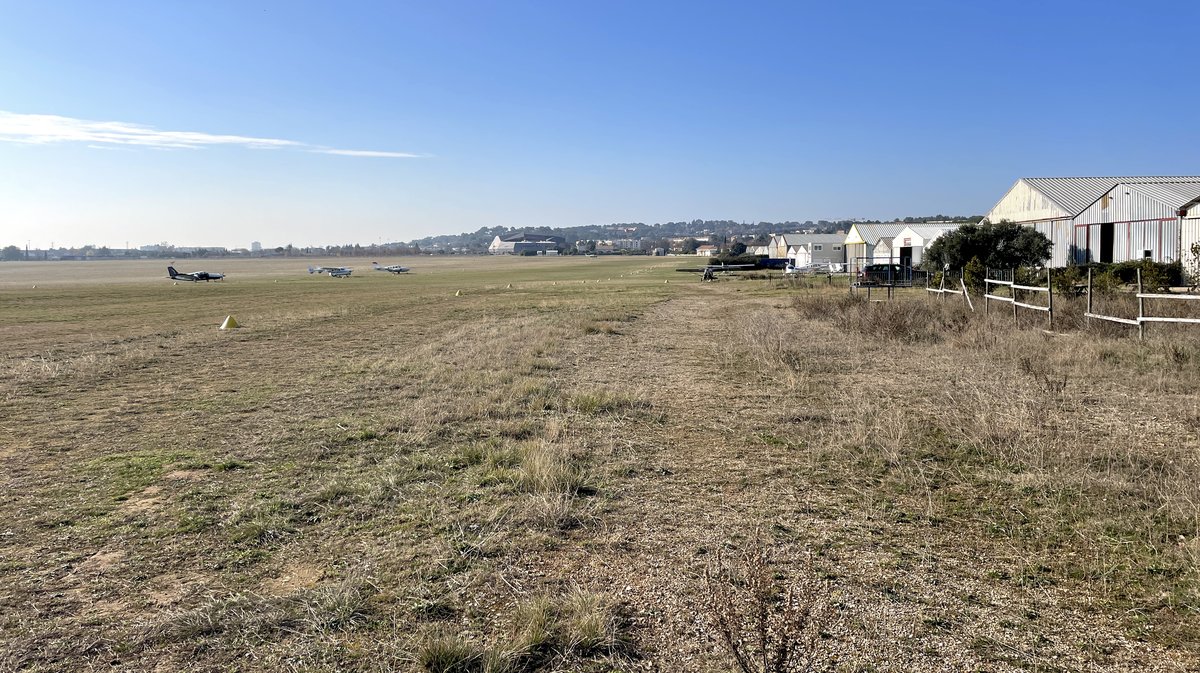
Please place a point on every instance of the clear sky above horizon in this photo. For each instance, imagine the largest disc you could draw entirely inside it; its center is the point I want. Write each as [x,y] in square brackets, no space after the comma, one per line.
[218,123]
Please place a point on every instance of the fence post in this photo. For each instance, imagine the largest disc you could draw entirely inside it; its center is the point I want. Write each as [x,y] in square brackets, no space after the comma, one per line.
[1088,317]
[987,273]
[1012,289]
[1141,308]
[967,295]
[1049,300]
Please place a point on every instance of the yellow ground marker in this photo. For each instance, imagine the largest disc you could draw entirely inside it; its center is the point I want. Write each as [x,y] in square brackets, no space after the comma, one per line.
[230,323]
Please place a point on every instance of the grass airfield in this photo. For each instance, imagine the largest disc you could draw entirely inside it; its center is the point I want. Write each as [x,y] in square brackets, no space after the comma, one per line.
[566,466]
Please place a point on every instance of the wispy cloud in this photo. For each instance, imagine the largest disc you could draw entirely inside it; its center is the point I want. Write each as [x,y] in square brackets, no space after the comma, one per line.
[370,153]
[35,129]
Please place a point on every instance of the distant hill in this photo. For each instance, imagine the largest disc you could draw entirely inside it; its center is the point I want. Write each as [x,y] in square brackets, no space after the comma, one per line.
[653,234]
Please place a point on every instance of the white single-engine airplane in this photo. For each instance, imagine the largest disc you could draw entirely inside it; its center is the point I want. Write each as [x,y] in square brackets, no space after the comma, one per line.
[333,271]
[195,276]
[395,268]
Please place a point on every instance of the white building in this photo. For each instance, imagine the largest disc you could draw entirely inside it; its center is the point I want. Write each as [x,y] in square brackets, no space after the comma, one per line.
[882,254]
[908,247]
[805,249]
[1107,219]
[862,238]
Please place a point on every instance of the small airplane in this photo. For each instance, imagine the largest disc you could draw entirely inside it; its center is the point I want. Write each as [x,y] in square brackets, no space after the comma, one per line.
[712,268]
[195,276]
[395,268]
[333,271]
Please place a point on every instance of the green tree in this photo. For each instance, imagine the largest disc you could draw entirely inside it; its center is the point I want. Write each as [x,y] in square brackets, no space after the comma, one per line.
[738,248]
[1003,245]
[11,253]
[690,245]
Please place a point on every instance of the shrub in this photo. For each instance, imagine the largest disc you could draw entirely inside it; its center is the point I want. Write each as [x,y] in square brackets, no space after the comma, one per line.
[767,624]
[1154,274]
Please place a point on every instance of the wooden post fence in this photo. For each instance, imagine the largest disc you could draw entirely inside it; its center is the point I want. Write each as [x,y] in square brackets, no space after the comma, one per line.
[1142,319]
[1015,300]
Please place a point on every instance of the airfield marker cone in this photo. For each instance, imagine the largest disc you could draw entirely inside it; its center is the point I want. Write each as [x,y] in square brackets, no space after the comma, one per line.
[458,293]
[230,323]
[509,287]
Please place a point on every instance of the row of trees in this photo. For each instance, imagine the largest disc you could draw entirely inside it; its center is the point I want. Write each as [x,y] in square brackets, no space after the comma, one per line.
[729,230]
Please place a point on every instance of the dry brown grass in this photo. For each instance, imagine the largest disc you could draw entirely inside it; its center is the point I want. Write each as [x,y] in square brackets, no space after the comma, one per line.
[380,475]
[1060,454]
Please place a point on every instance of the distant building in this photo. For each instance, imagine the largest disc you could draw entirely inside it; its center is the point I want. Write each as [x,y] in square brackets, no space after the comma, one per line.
[883,251]
[706,250]
[526,244]
[805,249]
[861,240]
[255,246]
[908,247]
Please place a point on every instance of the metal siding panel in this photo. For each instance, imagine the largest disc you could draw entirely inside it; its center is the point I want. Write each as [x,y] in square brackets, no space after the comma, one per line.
[1189,235]
[1168,241]
[1080,245]
[1023,203]
[1132,239]
[1125,204]
[1061,235]
[1122,246]
[1064,234]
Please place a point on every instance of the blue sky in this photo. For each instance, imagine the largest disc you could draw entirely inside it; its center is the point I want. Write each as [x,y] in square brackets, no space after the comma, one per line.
[565,113]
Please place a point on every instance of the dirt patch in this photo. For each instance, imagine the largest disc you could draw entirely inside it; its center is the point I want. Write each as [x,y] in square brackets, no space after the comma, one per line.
[170,588]
[184,475]
[101,562]
[295,576]
[145,501]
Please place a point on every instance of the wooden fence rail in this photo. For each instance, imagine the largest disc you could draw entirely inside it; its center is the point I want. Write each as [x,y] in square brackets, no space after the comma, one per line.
[1142,319]
[942,290]
[1015,300]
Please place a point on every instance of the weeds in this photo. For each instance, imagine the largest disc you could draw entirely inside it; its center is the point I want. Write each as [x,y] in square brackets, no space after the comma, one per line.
[251,617]
[546,634]
[768,625]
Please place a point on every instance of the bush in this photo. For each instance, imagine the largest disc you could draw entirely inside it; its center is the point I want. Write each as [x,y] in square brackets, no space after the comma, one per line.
[1104,282]
[1154,274]
[973,275]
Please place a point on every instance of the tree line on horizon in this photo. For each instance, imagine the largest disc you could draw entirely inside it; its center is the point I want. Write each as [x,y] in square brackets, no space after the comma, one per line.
[652,235]
[479,240]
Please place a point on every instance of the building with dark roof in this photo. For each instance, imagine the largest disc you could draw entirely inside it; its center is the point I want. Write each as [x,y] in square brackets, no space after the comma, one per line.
[526,244]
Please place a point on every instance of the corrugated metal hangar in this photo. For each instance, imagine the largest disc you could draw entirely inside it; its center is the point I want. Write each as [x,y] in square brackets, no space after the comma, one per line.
[1113,219]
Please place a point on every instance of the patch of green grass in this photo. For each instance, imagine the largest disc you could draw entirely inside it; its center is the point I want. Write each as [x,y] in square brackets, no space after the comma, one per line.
[605,402]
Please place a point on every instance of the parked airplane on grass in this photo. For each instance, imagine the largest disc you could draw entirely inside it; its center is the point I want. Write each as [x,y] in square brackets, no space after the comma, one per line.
[195,276]
[333,271]
[395,268]
[718,267]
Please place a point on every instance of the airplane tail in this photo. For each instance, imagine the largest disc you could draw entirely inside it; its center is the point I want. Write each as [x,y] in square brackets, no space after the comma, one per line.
[171,272]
